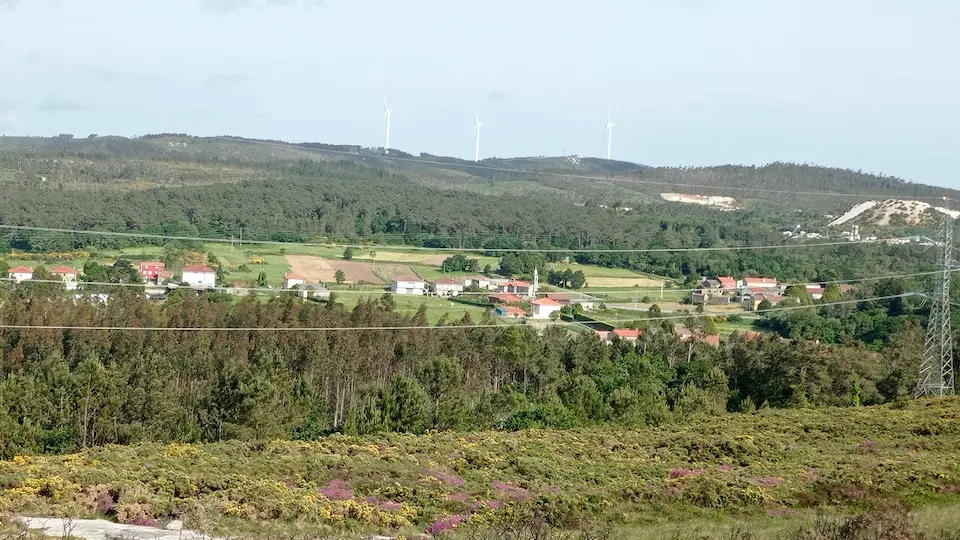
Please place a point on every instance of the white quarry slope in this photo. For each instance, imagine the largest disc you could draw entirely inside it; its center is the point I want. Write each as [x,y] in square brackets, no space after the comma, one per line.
[882,212]
[853,213]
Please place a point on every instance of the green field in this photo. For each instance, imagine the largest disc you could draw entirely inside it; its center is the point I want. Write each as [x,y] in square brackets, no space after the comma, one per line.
[436,307]
[769,471]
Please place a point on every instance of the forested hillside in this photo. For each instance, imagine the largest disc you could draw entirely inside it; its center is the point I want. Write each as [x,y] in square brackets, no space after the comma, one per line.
[182,186]
[103,160]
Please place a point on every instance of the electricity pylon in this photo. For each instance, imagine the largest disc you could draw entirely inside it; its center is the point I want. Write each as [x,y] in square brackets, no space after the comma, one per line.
[936,367]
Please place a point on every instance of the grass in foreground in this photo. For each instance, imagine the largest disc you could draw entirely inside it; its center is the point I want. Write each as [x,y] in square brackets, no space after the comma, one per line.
[757,468]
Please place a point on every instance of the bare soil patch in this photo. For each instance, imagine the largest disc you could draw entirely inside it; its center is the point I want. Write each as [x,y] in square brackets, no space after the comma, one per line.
[324,270]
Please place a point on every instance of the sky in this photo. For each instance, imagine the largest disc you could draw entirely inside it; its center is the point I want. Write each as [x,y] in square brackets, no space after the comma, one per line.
[860,84]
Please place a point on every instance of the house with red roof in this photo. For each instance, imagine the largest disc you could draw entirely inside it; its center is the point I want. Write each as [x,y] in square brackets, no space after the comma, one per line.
[727,283]
[686,334]
[628,334]
[20,273]
[446,287]
[503,298]
[510,312]
[150,270]
[543,308]
[522,289]
[561,298]
[760,282]
[293,279]
[815,290]
[199,275]
[66,274]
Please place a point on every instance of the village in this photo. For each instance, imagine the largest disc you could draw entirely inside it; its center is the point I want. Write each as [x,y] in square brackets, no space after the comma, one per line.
[510,299]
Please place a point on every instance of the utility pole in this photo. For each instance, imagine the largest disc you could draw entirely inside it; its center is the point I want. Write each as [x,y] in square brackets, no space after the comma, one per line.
[936,366]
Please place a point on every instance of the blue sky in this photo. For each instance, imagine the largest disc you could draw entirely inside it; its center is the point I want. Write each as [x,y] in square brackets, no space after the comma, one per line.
[864,84]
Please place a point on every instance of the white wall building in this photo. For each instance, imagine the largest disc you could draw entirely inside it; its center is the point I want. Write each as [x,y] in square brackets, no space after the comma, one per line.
[543,308]
[291,280]
[68,275]
[21,273]
[199,275]
[447,287]
[408,285]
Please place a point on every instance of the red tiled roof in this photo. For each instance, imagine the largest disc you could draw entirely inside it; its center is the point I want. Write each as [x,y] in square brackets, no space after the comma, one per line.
[415,279]
[64,270]
[447,281]
[21,270]
[815,290]
[513,311]
[753,281]
[545,302]
[712,339]
[559,297]
[506,298]
[627,333]
[164,274]
[727,282]
[603,333]
[760,290]
[199,268]
[519,284]
[293,275]
[683,331]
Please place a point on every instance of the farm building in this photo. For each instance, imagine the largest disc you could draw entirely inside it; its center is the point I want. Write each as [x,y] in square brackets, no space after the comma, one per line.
[199,275]
[408,285]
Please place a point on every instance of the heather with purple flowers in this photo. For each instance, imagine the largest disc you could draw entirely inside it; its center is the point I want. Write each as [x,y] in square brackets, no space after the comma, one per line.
[512,492]
[446,524]
[446,478]
[683,473]
[337,490]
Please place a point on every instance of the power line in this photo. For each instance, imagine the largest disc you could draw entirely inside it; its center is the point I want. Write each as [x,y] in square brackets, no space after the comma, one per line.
[763,311]
[451,250]
[572,292]
[571,176]
[392,328]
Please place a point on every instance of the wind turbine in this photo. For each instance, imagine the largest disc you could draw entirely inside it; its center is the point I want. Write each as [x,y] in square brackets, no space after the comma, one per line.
[610,125]
[477,124]
[387,113]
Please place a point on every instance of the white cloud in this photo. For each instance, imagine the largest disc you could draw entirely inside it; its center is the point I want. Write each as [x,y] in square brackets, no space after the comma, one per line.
[228,6]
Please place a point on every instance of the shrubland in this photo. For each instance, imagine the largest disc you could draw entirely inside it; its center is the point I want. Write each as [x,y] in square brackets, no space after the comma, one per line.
[736,468]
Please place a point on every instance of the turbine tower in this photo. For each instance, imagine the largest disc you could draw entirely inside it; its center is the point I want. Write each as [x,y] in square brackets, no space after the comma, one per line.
[610,125]
[936,367]
[477,124]
[387,113]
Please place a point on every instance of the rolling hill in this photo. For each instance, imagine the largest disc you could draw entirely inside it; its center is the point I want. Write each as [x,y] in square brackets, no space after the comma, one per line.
[582,180]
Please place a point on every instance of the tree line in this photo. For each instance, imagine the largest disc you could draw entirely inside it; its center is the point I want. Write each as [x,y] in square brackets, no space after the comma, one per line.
[63,389]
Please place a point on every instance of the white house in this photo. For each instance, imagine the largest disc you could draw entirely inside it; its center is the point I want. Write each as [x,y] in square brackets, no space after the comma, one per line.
[481,282]
[291,280]
[543,308]
[313,290]
[447,287]
[68,275]
[199,275]
[522,289]
[408,285]
[21,273]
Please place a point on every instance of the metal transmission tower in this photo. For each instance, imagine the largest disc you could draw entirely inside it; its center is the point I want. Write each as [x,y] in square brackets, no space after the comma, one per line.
[936,368]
